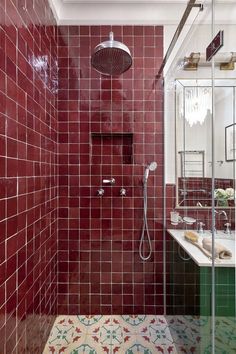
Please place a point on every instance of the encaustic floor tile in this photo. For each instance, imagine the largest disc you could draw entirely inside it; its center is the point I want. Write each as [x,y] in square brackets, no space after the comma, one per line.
[63,333]
[128,334]
[109,345]
[129,345]
[109,334]
[90,324]
[134,324]
[138,324]
[140,334]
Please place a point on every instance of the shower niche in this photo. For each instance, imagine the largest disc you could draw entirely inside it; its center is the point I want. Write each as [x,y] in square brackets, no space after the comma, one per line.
[112,148]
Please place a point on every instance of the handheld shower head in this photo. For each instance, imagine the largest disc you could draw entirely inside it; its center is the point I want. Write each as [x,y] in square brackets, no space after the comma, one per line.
[146,174]
[151,167]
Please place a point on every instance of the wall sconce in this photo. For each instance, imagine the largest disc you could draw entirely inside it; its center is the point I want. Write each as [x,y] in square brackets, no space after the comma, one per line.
[223,60]
[191,62]
[229,65]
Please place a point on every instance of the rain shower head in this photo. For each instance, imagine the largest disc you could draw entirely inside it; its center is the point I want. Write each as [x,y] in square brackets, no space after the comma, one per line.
[151,167]
[111,57]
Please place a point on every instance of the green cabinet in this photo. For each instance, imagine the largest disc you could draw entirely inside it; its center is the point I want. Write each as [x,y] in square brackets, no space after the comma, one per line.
[224,291]
[189,304]
[189,287]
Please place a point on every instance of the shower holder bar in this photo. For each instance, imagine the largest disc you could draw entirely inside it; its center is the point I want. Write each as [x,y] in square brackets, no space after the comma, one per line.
[191,4]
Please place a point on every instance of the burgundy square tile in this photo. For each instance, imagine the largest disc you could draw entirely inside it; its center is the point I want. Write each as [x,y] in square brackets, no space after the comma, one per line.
[16,129]
[159,30]
[84,30]
[2,250]
[76,170]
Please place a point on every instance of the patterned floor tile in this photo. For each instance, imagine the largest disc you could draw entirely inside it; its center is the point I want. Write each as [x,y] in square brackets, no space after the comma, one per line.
[186,331]
[138,348]
[135,324]
[91,324]
[140,334]
[93,345]
[82,349]
[193,334]
[62,335]
[135,320]
[156,345]
[90,320]
[104,334]
[218,350]
[108,335]
[225,333]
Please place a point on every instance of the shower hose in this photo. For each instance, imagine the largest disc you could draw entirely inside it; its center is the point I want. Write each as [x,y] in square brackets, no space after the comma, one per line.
[145,227]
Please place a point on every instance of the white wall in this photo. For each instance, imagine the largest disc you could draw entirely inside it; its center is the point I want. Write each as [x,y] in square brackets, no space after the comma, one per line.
[224,117]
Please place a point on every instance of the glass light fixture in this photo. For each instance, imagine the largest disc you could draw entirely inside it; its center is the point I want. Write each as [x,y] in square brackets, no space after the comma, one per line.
[197,104]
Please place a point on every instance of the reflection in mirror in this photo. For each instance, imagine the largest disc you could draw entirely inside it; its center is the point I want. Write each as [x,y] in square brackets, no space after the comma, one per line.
[194,142]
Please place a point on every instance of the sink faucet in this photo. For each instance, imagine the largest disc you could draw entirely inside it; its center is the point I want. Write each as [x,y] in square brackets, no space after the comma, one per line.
[222,212]
[227,230]
[200,227]
[215,230]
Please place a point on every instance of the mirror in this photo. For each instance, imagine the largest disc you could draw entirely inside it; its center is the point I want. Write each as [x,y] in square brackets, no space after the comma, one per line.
[193,132]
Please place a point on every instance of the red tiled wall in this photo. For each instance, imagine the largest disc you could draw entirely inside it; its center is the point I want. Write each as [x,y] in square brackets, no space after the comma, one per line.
[109,127]
[28,203]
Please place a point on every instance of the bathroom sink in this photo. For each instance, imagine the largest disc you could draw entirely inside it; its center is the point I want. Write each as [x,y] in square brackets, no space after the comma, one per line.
[197,255]
[220,234]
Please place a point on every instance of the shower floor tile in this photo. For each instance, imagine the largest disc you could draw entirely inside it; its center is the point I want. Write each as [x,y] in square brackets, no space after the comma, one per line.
[192,334]
[135,334]
[140,334]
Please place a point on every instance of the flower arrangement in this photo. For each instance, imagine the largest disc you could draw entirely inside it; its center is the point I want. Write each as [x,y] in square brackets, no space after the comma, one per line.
[223,195]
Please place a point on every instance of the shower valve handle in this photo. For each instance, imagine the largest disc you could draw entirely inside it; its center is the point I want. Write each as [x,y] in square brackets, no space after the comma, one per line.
[109,181]
[100,192]
[123,192]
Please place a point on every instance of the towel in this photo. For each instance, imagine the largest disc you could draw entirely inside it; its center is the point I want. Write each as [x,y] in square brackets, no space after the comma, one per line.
[220,251]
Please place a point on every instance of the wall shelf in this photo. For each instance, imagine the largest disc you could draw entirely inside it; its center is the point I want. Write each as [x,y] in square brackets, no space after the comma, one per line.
[112,148]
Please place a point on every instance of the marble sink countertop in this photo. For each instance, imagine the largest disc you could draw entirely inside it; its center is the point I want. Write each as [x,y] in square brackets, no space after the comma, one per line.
[198,256]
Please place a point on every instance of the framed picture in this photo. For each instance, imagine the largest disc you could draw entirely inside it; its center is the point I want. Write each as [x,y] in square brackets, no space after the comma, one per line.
[230,142]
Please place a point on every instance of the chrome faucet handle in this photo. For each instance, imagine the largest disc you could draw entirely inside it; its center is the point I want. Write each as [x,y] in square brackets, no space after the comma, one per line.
[100,192]
[123,192]
[228,229]
[223,212]
[200,227]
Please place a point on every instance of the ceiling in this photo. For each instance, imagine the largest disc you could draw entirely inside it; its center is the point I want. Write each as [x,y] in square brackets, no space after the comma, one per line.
[131,12]
[122,1]
[98,12]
